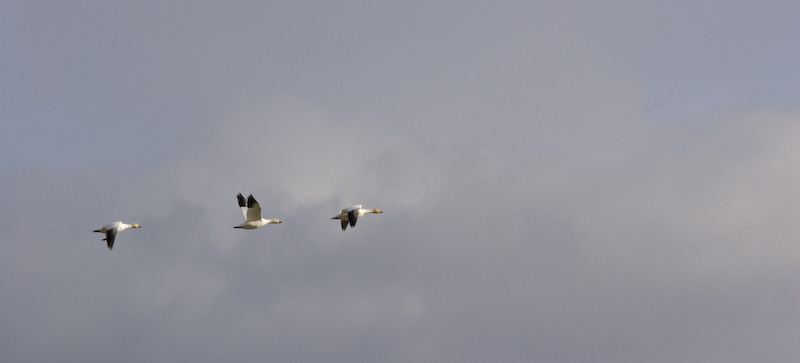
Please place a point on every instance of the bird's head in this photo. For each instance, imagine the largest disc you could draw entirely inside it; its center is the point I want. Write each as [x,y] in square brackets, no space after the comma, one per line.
[376,210]
[136,225]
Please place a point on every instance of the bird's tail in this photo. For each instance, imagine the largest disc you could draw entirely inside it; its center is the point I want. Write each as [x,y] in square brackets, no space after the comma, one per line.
[98,231]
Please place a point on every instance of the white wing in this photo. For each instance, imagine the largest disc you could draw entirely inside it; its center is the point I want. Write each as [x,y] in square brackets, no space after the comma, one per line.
[253,209]
[242,205]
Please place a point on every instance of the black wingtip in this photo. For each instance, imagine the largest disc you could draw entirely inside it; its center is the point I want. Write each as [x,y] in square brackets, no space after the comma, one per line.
[352,216]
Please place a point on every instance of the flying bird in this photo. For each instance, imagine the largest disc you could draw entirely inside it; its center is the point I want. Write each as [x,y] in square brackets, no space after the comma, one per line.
[252,213]
[352,214]
[112,229]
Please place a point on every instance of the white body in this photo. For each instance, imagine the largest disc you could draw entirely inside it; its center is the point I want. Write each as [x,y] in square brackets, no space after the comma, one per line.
[255,224]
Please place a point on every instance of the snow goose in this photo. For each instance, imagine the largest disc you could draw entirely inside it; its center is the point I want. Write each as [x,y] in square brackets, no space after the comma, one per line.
[112,229]
[252,213]
[352,214]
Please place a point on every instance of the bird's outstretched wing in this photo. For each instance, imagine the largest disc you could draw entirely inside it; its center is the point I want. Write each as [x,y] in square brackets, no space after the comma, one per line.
[352,216]
[111,235]
[242,204]
[253,209]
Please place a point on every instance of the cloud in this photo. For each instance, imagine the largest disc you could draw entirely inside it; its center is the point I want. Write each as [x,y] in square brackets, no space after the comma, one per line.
[538,207]
[678,252]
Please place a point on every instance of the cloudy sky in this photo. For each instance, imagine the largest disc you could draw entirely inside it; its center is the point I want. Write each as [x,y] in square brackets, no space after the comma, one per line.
[562,181]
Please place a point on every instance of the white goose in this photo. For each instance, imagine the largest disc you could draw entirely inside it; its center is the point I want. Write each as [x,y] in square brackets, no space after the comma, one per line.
[352,214]
[252,213]
[112,229]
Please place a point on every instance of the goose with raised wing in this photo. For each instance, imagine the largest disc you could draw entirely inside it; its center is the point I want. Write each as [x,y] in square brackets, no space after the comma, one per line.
[351,214]
[252,213]
[112,229]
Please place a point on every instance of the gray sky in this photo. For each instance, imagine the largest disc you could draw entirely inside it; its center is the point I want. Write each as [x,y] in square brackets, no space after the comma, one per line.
[563,181]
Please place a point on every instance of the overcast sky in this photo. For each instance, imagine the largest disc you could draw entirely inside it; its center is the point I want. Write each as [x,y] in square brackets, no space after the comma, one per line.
[561,181]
